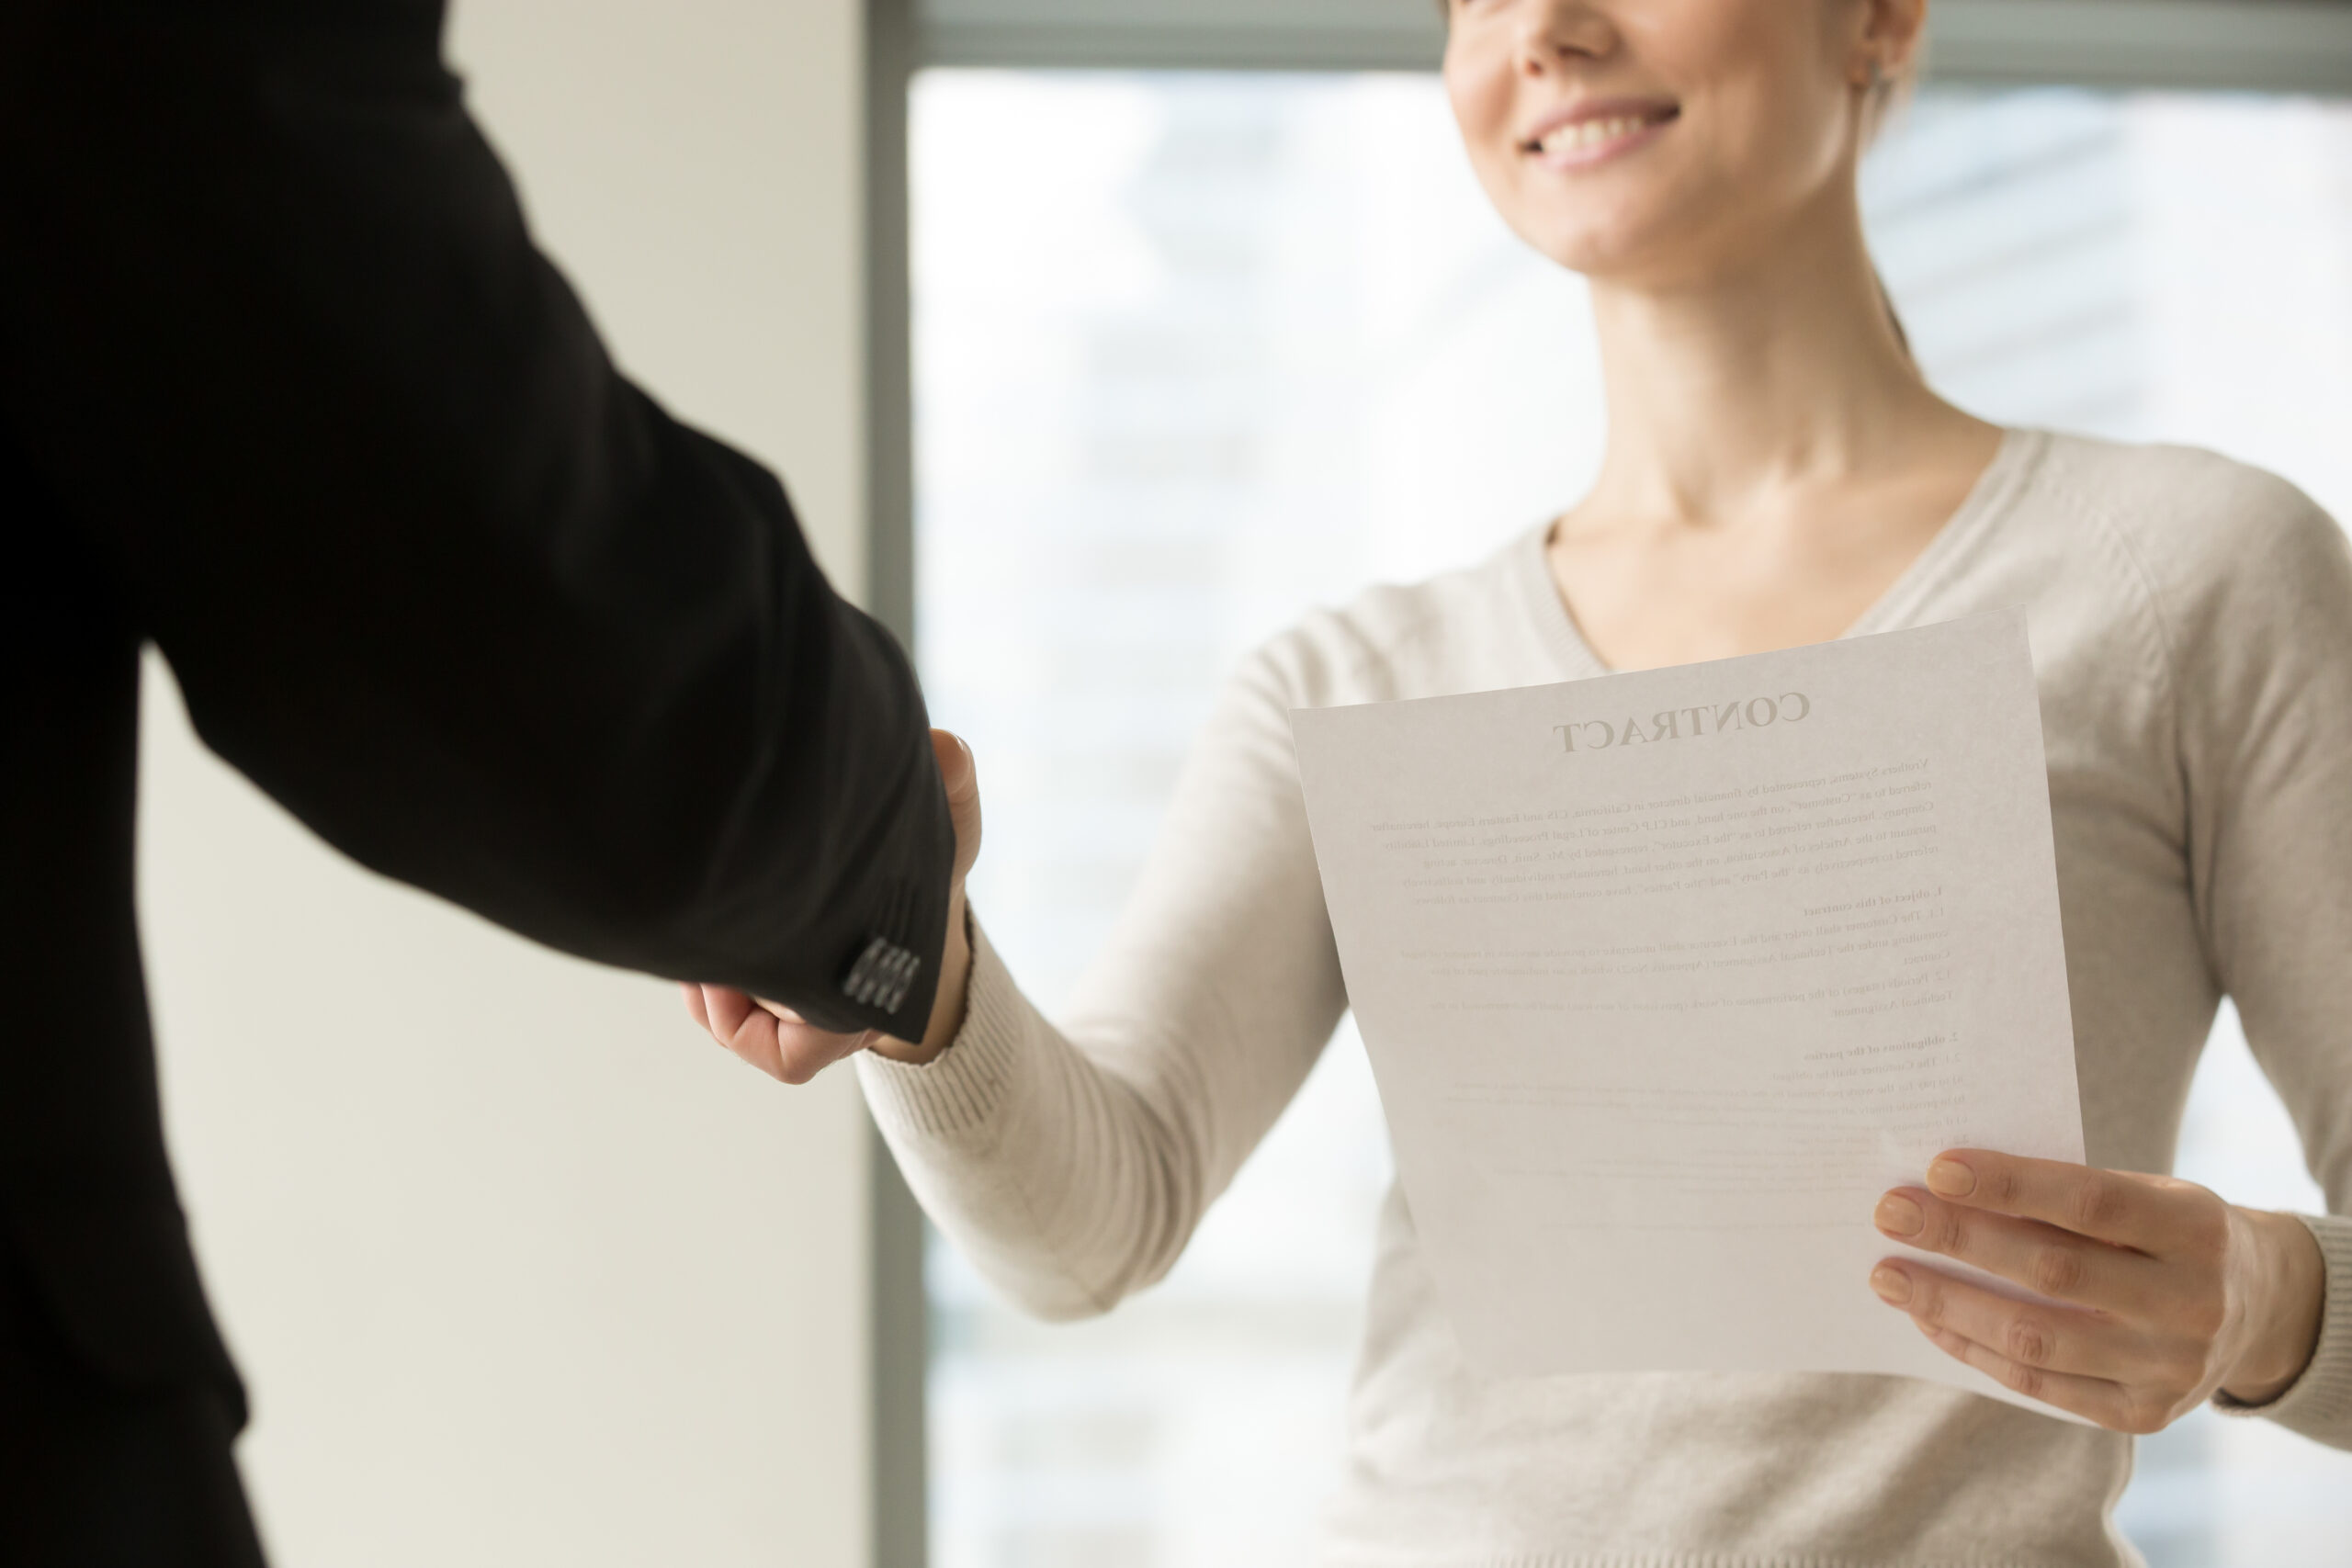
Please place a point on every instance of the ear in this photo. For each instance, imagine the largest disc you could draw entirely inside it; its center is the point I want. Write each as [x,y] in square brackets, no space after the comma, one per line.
[1886,48]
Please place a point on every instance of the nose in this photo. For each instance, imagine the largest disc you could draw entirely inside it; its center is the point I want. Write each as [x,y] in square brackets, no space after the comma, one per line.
[1557,33]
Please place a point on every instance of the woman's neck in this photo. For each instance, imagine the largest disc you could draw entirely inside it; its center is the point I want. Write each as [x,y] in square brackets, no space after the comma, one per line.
[1774,464]
[1733,396]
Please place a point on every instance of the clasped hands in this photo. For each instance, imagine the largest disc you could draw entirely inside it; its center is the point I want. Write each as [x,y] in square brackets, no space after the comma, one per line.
[2158,1293]
[782,1045]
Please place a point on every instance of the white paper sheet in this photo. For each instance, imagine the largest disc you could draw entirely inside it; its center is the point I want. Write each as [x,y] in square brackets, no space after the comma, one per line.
[1667,976]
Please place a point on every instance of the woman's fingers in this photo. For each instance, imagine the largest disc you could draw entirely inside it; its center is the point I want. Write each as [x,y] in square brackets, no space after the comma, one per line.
[803,1050]
[2041,1257]
[2141,1212]
[754,1039]
[959,775]
[2046,1339]
[724,1010]
[2101,1369]
[740,1025]
[2094,1399]
[694,1007]
[769,1036]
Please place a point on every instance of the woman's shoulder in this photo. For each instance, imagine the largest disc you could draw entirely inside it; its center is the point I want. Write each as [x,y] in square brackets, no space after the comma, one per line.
[2192,519]
[2238,569]
[1450,632]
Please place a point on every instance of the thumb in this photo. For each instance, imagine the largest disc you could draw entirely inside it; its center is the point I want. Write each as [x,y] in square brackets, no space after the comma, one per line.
[960,774]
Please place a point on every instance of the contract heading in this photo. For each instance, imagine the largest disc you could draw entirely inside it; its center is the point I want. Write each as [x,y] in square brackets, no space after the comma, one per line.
[1679,724]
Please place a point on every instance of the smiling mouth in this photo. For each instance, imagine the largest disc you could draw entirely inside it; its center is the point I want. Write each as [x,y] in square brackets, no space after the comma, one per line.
[1585,135]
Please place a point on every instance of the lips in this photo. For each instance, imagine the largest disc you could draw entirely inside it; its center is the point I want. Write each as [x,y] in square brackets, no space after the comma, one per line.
[1593,127]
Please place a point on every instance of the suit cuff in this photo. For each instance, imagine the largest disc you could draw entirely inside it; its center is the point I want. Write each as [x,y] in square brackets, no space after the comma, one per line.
[960,1095]
[2319,1404]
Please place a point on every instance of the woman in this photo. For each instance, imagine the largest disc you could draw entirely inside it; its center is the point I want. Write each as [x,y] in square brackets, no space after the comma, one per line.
[1777,473]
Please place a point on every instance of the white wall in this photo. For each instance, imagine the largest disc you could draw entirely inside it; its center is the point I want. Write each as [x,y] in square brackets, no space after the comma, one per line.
[521,1268]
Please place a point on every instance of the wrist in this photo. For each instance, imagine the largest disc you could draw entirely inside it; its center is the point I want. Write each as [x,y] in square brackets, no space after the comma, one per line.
[2293,1278]
[948,1007]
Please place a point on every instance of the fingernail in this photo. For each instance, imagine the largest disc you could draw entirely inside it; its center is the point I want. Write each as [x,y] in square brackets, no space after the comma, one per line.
[1897,1215]
[1952,1179]
[1893,1285]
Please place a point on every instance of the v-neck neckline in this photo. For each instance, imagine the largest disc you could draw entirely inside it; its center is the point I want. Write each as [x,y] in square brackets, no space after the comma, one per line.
[1986,500]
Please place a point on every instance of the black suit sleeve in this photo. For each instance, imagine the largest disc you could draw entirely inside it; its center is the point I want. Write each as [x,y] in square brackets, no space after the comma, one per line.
[427,568]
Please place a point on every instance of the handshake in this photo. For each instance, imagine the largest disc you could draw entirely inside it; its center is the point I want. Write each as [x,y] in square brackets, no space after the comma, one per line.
[782,1045]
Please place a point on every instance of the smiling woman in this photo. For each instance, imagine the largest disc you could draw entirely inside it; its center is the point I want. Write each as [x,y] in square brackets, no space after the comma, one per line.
[1271,345]
[1777,471]
[1292,359]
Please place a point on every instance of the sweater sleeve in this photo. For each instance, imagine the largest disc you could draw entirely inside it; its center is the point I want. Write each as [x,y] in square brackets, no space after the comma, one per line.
[2264,663]
[1072,1164]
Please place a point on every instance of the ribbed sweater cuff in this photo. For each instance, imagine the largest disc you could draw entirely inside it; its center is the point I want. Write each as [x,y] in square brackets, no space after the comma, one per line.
[2319,1404]
[960,1094]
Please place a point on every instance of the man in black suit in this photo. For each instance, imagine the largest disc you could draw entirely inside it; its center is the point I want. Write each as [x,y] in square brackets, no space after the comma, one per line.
[286,389]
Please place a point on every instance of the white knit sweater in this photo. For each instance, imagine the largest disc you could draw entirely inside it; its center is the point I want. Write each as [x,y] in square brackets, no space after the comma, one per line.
[2192,631]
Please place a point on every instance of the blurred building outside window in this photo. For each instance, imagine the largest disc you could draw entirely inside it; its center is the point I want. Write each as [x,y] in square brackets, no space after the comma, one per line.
[1196,351]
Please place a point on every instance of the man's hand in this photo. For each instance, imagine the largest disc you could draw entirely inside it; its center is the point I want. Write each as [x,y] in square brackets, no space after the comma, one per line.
[782,1044]
[2159,1293]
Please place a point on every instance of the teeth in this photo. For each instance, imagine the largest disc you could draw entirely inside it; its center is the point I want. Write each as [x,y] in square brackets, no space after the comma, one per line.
[1590,133]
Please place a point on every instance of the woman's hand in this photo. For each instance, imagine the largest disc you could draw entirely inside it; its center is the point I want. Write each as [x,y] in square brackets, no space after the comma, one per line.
[781,1044]
[2163,1292]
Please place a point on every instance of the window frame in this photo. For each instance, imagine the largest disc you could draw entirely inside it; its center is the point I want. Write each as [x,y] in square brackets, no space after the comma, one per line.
[2271,46]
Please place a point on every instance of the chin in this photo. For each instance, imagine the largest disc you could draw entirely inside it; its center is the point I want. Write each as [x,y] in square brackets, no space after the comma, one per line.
[1624,239]
[1602,225]
[1599,249]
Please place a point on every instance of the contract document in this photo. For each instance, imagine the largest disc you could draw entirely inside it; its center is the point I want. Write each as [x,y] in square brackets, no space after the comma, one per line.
[1666,976]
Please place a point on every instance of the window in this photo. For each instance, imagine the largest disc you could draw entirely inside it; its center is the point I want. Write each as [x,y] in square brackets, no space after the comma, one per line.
[1195,351]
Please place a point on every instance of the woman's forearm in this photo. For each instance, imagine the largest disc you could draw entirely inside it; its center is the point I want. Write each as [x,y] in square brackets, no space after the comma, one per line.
[1059,1177]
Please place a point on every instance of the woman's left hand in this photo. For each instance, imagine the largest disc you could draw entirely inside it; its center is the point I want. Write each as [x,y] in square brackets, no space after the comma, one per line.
[2160,1292]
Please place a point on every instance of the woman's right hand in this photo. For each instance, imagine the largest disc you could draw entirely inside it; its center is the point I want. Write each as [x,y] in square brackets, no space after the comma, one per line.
[782,1045]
